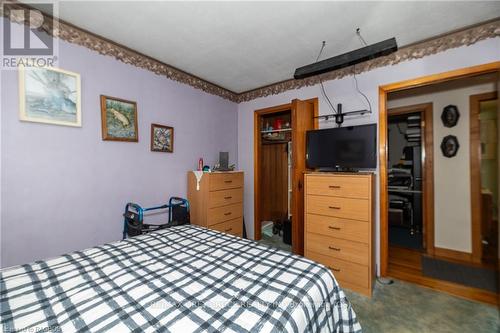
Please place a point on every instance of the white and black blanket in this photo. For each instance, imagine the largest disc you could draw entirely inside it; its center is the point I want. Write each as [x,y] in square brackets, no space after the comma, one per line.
[182,279]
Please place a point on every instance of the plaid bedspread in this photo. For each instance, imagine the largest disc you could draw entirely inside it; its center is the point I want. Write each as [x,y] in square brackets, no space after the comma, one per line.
[183,279]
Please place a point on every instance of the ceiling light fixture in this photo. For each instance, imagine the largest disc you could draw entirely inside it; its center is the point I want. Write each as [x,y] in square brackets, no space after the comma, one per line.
[363,54]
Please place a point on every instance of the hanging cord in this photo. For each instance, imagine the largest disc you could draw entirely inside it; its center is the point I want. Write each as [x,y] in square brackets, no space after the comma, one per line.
[321,81]
[359,91]
[358,32]
[321,50]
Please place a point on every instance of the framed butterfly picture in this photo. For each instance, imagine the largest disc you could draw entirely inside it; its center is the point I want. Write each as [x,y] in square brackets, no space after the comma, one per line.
[162,138]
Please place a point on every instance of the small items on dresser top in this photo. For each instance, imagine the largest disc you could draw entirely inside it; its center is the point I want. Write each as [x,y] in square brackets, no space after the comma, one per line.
[216,200]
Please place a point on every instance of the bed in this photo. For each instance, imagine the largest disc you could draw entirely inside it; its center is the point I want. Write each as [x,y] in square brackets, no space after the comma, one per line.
[182,279]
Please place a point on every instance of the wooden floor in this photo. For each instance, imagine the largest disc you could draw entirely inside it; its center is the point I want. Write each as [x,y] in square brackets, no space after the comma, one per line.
[406,265]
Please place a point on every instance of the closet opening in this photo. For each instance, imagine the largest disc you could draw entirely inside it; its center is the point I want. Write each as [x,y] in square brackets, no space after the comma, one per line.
[275,182]
[279,166]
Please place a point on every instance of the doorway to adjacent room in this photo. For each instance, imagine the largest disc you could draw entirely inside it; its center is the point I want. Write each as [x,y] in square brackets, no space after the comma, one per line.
[439,224]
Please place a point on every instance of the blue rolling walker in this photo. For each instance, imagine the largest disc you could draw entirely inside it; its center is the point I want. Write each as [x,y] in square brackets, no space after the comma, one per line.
[133,217]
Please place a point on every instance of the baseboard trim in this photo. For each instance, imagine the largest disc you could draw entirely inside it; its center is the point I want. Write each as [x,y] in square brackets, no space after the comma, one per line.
[451,288]
[452,254]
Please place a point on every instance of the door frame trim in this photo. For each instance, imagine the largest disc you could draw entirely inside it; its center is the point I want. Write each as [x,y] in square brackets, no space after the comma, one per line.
[475,172]
[382,145]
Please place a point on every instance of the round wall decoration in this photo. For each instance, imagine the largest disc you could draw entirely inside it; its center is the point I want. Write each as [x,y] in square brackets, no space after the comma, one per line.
[449,146]
[450,115]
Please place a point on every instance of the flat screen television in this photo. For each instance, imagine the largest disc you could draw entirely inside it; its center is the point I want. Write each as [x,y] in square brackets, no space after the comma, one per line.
[344,148]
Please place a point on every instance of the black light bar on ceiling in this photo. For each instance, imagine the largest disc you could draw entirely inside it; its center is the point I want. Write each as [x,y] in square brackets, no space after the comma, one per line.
[348,59]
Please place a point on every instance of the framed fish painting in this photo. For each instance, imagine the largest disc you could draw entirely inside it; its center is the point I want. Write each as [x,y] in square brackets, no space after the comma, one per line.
[49,95]
[162,138]
[119,119]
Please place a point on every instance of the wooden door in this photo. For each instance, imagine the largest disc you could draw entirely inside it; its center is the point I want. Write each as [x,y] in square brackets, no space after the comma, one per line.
[303,113]
[273,182]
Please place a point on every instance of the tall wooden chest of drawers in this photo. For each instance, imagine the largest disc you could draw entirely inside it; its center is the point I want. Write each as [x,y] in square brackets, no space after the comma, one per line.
[216,202]
[339,226]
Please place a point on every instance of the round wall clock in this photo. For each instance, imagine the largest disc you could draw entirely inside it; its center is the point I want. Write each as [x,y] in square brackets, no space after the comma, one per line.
[450,115]
[449,146]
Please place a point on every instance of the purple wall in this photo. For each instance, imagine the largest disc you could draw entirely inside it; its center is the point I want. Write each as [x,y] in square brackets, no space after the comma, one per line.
[64,189]
[343,91]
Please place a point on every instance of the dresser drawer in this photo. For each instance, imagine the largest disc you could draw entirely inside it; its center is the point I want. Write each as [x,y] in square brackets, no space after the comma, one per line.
[344,271]
[225,213]
[358,231]
[338,248]
[341,186]
[357,209]
[225,180]
[233,227]
[225,197]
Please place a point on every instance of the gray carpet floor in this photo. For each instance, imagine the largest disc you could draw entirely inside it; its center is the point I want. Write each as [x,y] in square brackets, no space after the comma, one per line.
[404,307]
[408,308]
[268,238]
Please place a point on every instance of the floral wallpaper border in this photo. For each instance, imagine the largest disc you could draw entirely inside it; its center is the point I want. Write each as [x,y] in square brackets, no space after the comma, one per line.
[78,36]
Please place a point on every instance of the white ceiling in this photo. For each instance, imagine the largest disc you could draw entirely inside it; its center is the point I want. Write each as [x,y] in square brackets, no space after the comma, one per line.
[245,45]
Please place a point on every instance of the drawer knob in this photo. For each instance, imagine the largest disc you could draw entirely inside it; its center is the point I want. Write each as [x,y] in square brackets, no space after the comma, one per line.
[227,214]
[227,230]
[334,186]
[334,248]
[227,198]
[333,207]
[334,228]
[228,181]
[334,269]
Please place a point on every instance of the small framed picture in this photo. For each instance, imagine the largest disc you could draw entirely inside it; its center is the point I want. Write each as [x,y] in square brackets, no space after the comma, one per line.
[118,119]
[162,138]
[49,95]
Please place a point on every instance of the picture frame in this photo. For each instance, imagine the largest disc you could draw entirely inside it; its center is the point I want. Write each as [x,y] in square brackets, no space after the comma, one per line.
[49,95]
[450,116]
[119,119]
[162,138]
[450,146]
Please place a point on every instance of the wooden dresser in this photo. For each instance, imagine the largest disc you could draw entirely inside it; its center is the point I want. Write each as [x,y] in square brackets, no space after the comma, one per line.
[218,202]
[339,226]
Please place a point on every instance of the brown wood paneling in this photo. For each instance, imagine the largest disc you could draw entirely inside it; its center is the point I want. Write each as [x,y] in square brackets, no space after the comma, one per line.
[274,182]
